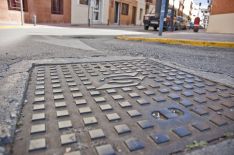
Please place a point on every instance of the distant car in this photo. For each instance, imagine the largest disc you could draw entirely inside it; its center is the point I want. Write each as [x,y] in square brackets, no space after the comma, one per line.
[151,20]
[181,23]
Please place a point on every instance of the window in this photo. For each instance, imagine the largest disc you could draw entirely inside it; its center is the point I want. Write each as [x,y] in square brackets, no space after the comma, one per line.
[15,5]
[57,7]
[85,2]
[124,9]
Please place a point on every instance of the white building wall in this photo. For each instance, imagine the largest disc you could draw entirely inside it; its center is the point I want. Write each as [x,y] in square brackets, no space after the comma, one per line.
[187,4]
[79,13]
[139,17]
[221,23]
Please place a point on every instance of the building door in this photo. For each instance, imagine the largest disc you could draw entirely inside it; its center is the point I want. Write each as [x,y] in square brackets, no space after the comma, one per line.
[116,14]
[133,15]
[96,10]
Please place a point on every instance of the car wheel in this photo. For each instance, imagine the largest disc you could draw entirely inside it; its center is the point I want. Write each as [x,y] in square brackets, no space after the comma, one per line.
[146,27]
[155,28]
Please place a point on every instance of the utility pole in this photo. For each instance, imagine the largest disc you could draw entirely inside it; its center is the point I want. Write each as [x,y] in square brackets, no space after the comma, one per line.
[162,15]
[88,13]
[172,16]
[22,12]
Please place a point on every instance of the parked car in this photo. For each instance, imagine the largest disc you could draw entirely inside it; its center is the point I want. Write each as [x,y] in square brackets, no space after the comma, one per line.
[151,20]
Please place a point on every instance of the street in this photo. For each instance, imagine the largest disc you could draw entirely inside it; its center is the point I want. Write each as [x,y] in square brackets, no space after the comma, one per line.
[60,63]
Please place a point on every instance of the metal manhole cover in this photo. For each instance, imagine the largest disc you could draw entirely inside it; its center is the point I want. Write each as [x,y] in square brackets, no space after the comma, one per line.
[120,107]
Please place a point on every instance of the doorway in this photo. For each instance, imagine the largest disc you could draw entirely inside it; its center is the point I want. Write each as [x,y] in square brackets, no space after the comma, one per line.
[133,15]
[116,14]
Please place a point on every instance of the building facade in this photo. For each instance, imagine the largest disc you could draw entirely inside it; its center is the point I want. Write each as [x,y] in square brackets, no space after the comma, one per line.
[96,12]
[9,12]
[76,12]
[46,11]
[221,18]
[123,12]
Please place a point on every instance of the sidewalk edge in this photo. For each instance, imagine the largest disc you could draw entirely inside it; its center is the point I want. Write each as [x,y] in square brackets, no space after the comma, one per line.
[172,41]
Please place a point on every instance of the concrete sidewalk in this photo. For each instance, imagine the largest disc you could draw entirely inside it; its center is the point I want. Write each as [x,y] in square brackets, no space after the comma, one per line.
[201,38]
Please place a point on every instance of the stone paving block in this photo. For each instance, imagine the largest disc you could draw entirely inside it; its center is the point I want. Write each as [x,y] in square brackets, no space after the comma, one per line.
[215,107]
[40,92]
[201,126]
[38,107]
[218,120]
[159,99]
[113,117]
[37,144]
[94,93]
[200,99]
[174,96]
[188,86]
[96,134]
[38,116]
[106,149]
[213,97]
[134,144]
[90,120]
[160,138]
[143,101]
[200,111]
[187,93]
[77,94]
[59,104]
[140,87]
[155,85]
[57,90]
[58,97]
[85,110]
[105,107]
[148,92]
[99,99]
[39,99]
[164,90]
[38,128]
[182,132]
[80,102]
[110,91]
[64,124]
[228,104]
[200,91]
[40,87]
[134,113]
[122,128]
[126,89]
[68,138]
[229,115]
[62,113]
[90,87]
[73,153]
[125,104]
[56,85]
[117,97]
[144,124]
[73,89]
[186,102]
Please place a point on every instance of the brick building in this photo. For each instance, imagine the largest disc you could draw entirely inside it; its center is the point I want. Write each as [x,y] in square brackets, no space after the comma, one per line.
[221,18]
[47,11]
[123,12]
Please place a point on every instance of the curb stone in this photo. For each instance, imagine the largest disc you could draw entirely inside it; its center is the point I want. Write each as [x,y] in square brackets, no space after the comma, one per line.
[171,41]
